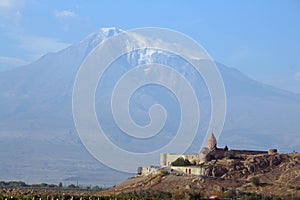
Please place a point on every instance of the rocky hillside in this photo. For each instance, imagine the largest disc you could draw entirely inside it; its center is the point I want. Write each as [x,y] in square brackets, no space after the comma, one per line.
[263,174]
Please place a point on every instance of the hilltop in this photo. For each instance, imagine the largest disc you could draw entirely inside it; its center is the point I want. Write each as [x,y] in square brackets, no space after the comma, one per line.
[262,174]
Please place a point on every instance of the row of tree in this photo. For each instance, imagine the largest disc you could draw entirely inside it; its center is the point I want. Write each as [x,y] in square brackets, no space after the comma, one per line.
[21,185]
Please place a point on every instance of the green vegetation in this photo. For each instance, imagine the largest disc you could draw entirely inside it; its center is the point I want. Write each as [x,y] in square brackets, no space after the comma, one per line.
[146,194]
[13,184]
[163,173]
[192,195]
[63,193]
[214,155]
[255,181]
[218,155]
[294,187]
[54,197]
[230,155]
[45,186]
[181,162]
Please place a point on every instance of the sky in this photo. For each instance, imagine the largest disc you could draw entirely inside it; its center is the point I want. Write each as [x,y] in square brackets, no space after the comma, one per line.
[259,38]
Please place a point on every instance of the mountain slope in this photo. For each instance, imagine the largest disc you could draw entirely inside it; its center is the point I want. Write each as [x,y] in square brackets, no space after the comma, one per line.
[277,174]
[36,124]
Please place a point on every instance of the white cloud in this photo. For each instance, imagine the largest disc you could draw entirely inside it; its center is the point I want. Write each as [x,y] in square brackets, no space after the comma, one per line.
[64,14]
[29,48]
[4,4]
[7,63]
[12,61]
[11,9]
[38,46]
[297,76]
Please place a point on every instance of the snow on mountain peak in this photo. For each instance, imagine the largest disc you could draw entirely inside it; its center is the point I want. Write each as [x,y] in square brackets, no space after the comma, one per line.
[102,34]
[136,40]
[96,38]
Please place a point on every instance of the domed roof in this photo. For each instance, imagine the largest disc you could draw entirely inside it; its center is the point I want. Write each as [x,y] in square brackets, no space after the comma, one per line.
[212,142]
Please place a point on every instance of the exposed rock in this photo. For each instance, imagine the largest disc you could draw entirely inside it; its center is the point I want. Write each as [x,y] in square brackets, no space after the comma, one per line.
[280,171]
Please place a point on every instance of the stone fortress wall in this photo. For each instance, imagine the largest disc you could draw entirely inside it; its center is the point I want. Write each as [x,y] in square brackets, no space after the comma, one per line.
[166,159]
[205,155]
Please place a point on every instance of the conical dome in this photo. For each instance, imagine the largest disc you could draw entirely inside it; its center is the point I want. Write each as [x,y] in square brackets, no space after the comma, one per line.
[212,142]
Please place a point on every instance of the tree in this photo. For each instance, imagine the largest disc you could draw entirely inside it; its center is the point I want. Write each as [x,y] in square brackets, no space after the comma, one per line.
[226,148]
[96,188]
[181,162]
[255,181]
[72,186]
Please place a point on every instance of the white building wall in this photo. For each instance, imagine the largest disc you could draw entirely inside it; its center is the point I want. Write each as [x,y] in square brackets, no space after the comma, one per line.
[146,170]
[167,159]
[193,170]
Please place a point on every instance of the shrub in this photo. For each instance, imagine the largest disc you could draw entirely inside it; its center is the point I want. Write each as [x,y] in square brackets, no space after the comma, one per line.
[163,173]
[229,194]
[181,162]
[255,181]
[230,155]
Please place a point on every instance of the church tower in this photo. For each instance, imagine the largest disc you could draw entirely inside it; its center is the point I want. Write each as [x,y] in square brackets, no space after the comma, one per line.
[212,142]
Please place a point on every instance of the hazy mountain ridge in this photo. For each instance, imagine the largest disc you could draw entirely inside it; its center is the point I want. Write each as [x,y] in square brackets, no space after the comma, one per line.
[36,111]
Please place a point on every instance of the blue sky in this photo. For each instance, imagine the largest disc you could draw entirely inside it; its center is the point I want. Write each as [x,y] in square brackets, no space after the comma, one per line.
[260,38]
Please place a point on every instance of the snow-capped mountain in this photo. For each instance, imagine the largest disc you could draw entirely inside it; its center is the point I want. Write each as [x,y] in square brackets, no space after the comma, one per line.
[38,140]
